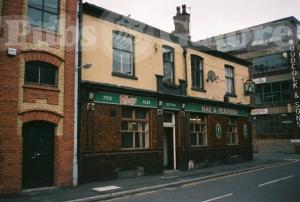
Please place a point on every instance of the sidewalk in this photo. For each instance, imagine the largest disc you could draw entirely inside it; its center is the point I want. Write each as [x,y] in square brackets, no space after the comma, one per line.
[146,183]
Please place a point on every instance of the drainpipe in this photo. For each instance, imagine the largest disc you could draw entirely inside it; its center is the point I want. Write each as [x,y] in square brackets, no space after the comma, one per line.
[77,82]
[185,117]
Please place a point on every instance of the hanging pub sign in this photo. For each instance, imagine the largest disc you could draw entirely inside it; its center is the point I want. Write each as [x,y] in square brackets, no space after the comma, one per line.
[295,71]
[249,87]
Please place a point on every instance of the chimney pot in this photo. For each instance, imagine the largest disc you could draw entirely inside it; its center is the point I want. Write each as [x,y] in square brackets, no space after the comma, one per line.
[183,9]
[178,10]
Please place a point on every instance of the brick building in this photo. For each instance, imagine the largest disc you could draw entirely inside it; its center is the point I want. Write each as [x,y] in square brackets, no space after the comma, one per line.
[155,101]
[273,48]
[37,60]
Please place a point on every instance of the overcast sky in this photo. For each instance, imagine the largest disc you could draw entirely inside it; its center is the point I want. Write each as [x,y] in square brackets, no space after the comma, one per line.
[208,17]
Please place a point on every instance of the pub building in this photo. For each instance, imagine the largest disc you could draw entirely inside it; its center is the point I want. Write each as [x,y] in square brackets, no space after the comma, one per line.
[154,100]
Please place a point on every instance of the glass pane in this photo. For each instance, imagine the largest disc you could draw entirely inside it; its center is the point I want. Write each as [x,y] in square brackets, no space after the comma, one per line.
[124,125]
[168,71]
[168,118]
[193,139]
[140,114]
[143,140]
[228,72]
[192,127]
[48,74]
[138,140]
[36,3]
[126,63]
[51,6]
[35,17]
[168,55]
[50,21]
[126,113]
[117,41]
[267,88]
[127,140]
[285,85]
[202,139]
[116,60]
[127,43]
[31,73]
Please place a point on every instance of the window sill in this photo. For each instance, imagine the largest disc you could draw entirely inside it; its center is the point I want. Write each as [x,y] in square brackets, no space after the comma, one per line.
[41,87]
[199,146]
[169,84]
[231,95]
[135,149]
[198,89]
[40,29]
[235,144]
[118,74]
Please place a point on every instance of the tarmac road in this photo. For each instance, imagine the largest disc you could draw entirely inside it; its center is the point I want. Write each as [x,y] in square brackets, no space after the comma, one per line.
[279,183]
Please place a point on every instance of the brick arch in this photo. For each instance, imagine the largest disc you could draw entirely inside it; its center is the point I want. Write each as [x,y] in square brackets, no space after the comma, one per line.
[40,115]
[44,56]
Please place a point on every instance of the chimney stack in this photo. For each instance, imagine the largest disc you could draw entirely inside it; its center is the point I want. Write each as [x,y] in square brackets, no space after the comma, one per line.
[182,23]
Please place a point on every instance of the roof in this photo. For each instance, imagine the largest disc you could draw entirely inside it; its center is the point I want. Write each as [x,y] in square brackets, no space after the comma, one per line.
[292,19]
[110,16]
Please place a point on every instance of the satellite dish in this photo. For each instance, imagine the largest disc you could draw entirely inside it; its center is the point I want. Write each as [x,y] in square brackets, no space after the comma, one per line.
[211,76]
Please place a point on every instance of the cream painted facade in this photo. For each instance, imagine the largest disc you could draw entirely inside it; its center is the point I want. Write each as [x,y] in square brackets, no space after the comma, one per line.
[148,62]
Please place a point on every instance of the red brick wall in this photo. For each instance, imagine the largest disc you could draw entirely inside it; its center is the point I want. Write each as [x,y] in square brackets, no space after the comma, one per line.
[10,137]
[64,158]
[10,141]
[34,92]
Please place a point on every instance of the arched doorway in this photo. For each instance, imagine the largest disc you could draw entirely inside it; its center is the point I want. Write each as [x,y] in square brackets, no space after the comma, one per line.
[38,154]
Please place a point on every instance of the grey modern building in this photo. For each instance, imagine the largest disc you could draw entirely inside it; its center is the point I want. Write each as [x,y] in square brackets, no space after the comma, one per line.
[273,48]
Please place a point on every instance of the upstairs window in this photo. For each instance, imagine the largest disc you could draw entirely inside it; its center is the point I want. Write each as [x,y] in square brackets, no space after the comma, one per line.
[41,73]
[168,62]
[197,72]
[229,78]
[43,14]
[269,63]
[123,53]
[273,93]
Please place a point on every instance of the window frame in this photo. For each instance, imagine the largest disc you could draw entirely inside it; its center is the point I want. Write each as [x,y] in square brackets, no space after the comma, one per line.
[199,124]
[231,94]
[41,65]
[138,132]
[122,73]
[43,11]
[195,70]
[262,61]
[272,93]
[232,130]
[172,50]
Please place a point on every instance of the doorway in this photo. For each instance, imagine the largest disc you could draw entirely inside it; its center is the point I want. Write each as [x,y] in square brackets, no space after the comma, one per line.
[38,154]
[169,141]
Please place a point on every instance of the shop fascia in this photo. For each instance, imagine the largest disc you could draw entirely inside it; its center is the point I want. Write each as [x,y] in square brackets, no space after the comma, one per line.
[149,102]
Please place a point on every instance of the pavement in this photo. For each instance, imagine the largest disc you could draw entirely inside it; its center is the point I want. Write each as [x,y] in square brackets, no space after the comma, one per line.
[129,186]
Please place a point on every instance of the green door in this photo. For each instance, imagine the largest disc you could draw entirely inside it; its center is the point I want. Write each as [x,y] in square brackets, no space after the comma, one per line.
[38,154]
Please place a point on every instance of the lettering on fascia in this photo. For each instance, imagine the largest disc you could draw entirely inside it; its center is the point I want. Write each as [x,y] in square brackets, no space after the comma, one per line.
[146,102]
[107,98]
[294,72]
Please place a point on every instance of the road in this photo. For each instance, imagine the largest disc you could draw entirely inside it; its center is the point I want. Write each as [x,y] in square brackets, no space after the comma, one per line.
[276,184]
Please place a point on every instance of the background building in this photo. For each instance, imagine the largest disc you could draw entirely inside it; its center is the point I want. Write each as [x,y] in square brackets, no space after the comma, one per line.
[155,101]
[273,49]
[37,60]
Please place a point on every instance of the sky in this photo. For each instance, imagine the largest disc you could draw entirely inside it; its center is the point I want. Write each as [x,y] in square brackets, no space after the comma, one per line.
[208,17]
